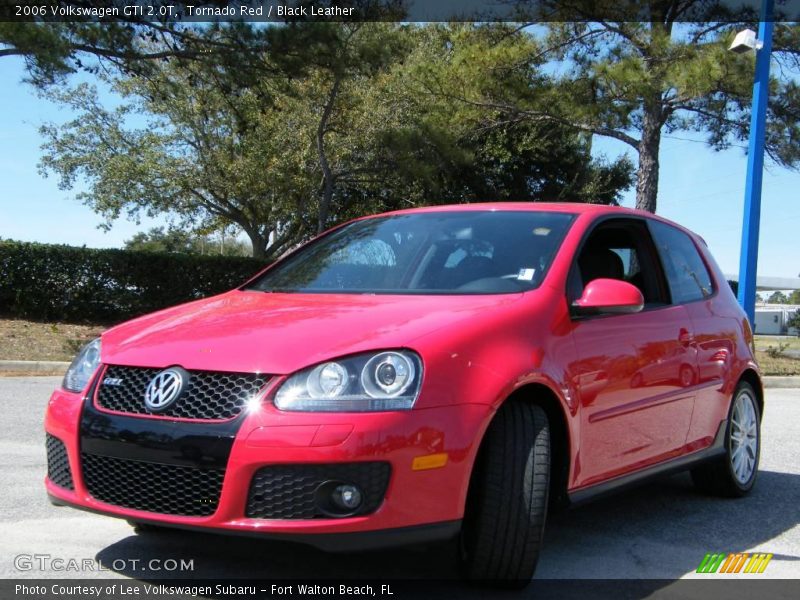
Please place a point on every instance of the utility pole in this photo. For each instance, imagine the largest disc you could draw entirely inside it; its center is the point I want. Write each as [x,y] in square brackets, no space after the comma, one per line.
[748,259]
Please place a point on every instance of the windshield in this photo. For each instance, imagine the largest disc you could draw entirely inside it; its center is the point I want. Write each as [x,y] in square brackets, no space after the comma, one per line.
[468,252]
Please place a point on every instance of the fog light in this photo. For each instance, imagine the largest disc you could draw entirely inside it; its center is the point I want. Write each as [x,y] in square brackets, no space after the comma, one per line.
[347,497]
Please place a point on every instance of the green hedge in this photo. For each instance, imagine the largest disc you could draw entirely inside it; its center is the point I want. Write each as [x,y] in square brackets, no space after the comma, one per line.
[65,283]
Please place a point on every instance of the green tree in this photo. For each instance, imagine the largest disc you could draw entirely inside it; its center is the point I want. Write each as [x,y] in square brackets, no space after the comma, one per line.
[464,79]
[158,239]
[794,297]
[340,63]
[212,145]
[635,81]
[777,297]
[389,143]
[53,50]
[794,321]
[184,143]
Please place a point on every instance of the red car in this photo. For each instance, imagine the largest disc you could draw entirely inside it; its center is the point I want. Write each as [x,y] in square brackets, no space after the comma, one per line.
[421,375]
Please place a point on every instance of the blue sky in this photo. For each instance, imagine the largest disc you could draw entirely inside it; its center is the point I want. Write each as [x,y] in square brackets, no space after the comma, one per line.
[699,188]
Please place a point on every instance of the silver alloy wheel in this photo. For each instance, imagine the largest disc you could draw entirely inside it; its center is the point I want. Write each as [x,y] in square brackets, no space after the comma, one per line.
[744,437]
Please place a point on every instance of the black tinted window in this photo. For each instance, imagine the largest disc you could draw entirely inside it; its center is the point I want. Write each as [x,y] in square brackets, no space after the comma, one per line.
[687,274]
[436,252]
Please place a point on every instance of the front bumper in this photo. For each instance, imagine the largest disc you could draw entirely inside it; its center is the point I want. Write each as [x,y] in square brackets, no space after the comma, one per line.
[419,505]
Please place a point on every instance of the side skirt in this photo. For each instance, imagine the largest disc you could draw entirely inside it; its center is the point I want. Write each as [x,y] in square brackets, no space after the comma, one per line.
[675,465]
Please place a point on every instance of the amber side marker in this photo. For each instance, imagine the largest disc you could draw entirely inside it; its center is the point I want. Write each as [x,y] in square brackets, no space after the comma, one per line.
[429,461]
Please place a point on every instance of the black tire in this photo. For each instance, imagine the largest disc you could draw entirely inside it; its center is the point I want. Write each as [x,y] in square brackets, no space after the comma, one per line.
[140,528]
[719,477]
[506,508]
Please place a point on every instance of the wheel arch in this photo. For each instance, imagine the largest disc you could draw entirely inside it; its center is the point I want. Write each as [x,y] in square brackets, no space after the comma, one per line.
[560,453]
[750,376]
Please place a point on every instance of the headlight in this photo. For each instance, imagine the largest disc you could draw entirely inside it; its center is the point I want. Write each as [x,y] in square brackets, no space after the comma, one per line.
[82,368]
[376,381]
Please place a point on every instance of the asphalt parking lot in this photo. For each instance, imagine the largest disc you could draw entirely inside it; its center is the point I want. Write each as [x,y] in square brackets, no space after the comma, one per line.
[660,531]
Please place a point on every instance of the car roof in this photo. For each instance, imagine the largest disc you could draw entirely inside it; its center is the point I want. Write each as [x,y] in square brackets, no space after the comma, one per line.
[563,207]
[576,208]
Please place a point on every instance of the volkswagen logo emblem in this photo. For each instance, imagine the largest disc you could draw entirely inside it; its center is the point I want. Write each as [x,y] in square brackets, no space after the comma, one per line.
[165,388]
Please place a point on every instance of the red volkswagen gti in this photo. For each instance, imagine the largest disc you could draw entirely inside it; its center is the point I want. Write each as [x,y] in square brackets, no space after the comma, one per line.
[421,375]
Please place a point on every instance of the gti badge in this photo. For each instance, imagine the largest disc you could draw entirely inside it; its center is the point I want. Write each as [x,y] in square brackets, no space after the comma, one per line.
[165,388]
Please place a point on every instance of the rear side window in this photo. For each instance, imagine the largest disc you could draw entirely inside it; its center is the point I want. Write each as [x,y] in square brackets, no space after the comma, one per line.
[687,274]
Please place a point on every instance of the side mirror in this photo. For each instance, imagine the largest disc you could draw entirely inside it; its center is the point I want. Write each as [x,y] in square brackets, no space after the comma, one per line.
[609,296]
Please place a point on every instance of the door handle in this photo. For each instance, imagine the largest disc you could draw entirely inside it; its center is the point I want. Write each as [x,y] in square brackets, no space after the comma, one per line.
[685,338]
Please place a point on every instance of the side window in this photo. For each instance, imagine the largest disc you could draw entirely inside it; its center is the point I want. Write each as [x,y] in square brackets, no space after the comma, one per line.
[687,274]
[619,249]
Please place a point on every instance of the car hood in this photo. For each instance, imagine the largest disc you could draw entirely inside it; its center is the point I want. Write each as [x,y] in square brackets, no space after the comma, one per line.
[251,331]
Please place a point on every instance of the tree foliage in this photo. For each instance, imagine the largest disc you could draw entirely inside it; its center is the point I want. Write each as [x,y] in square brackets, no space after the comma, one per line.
[382,115]
[158,239]
[348,128]
[794,322]
[186,144]
[463,78]
[777,297]
[52,50]
[634,81]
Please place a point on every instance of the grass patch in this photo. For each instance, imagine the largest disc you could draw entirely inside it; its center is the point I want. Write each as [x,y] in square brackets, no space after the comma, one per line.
[51,373]
[29,340]
[789,342]
[777,365]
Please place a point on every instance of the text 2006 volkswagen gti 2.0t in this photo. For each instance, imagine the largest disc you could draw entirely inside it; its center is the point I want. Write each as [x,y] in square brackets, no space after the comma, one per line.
[430,374]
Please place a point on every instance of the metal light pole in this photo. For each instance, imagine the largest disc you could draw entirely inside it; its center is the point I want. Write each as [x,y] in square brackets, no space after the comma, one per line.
[748,260]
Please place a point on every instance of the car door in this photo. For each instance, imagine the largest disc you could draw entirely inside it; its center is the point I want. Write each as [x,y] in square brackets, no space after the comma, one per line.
[633,371]
[715,328]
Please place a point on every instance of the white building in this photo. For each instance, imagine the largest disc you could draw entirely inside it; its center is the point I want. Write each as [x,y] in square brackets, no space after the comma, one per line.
[771,319]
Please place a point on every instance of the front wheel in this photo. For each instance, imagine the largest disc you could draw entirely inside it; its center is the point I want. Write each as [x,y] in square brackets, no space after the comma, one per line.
[505,515]
[735,473]
[140,528]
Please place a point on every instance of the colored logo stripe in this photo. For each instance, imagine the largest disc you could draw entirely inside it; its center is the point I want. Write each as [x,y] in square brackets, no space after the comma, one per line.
[734,563]
[758,563]
[710,563]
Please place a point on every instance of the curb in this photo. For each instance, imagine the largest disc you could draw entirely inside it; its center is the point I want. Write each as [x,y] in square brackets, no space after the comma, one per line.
[35,367]
[50,367]
[781,381]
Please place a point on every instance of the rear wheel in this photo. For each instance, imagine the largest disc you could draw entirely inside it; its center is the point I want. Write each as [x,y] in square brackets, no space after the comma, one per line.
[734,474]
[505,515]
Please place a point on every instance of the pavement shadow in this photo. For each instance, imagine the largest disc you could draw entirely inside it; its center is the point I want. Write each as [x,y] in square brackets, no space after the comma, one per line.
[669,515]
[584,542]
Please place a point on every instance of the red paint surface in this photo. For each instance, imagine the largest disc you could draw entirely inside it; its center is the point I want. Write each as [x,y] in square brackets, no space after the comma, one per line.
[634,389]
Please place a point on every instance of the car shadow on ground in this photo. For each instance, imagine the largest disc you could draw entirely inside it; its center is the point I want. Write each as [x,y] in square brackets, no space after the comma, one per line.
[658,533]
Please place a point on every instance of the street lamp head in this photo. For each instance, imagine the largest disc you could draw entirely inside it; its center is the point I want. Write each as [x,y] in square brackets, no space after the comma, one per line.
[745,41]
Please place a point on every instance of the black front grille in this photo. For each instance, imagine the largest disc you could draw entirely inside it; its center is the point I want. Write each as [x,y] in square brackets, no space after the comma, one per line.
[289,491]
[154,487]
[208,395]
[58,470]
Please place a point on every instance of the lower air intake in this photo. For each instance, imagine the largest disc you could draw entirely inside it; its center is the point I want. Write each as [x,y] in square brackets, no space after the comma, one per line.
[153,487]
